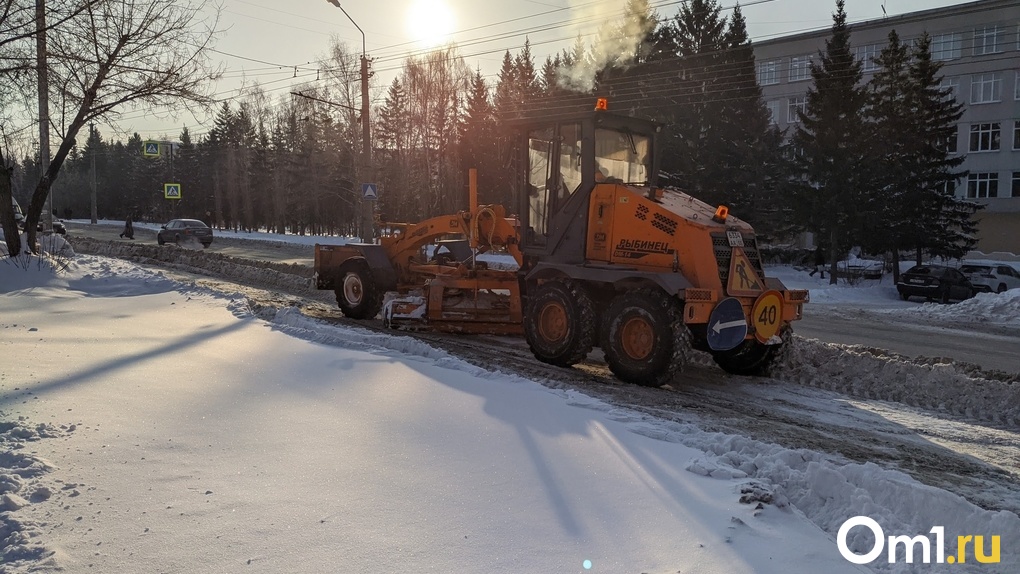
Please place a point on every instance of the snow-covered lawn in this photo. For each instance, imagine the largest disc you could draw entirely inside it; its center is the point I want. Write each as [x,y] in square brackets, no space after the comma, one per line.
[154,426]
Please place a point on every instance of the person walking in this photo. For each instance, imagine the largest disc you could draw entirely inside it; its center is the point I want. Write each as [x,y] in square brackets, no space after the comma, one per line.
[819,263]
[129,229]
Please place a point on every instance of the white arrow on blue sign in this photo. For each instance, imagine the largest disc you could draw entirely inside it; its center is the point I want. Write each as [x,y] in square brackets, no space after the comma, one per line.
[369,191]
[727,325]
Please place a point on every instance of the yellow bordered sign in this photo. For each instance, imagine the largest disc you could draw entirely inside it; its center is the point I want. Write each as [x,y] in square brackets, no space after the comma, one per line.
[767,315]
[172,190]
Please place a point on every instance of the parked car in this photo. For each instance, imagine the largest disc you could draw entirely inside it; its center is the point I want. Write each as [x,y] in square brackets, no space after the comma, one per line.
[991,278]
[184,230]
[935,282]
[19,218]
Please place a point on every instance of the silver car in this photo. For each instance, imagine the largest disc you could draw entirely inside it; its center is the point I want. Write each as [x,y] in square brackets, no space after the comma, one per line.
[183,231]
[992,278]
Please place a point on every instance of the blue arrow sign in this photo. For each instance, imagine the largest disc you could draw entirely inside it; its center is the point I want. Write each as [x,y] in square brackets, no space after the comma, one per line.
[727,326]
[369,191]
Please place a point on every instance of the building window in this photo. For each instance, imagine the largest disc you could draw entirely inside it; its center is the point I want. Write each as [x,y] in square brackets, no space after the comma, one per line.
[984,137]
[1016,87]
[1016,184]
[797,103]
[947,46]
[773,107]
[989,40]
[986,88]
[768,72]
[867,55]
[982,185]
[800,68]
[1016,135]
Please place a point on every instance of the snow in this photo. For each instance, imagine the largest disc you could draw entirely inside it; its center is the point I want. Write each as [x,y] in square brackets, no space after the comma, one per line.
[154,425]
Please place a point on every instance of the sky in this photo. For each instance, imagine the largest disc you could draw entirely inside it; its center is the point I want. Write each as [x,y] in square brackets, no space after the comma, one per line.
[151,424]
[278,46]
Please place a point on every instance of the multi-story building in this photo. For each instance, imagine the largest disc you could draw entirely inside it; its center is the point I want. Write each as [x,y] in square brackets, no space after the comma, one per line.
[979,46]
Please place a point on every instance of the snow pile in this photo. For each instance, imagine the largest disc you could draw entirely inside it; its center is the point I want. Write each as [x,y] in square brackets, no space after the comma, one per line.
[877,374]
[1000,308]
[292,277]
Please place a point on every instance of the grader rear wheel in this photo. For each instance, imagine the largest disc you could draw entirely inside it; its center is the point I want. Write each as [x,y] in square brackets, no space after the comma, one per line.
[644,337]
[357,295]
[560,323]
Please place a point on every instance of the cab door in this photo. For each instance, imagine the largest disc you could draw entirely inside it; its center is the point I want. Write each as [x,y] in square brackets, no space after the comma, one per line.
[600,223]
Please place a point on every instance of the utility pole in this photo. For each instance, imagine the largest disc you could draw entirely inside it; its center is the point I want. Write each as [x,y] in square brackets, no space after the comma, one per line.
[95,210]
[367,218]
[44,106]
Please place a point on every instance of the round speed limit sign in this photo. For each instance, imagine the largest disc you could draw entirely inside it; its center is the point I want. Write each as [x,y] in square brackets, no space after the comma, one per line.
[767,315]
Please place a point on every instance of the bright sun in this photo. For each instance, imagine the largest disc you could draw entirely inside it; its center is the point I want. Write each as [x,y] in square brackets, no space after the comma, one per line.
[429,22]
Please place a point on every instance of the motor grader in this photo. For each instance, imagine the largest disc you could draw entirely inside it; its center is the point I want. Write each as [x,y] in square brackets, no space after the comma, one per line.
[605,258]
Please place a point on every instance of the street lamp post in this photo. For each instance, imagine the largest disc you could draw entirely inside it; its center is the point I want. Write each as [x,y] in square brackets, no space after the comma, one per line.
[367,223]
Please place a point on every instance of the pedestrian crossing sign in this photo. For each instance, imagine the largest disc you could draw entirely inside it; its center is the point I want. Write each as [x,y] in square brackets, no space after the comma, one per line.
[172,190]
[150,149]
[369,191]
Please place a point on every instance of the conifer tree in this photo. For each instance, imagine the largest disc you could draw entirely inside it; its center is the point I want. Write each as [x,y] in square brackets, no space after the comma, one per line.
[887,224]
[948,229]
[831,146]
[742,161]
[700,37]
[478,145]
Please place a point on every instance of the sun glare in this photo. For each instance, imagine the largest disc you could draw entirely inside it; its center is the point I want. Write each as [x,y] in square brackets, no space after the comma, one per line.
[429,22]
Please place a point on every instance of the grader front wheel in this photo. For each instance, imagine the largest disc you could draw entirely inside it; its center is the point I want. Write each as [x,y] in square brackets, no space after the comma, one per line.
[560,323]
[644,337]
[356,293]
[752,358]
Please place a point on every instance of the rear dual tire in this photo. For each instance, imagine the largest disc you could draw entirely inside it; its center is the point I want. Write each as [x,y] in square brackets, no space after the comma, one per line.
[644,337]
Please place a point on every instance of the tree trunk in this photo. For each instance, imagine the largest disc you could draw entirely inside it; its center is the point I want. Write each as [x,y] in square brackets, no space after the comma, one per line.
[833,254]
[895,265]
[12,234]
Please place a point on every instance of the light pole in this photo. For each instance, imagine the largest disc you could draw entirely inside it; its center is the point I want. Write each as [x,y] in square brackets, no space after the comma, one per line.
[367,222]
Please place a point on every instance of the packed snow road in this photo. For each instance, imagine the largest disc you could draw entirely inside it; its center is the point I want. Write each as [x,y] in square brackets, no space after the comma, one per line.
[952,425]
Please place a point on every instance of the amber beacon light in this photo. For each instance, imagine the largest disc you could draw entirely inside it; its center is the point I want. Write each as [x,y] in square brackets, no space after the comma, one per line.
[602,104]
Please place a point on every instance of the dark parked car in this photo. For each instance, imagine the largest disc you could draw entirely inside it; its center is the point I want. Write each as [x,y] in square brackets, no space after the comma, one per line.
[935,282]
[183,231]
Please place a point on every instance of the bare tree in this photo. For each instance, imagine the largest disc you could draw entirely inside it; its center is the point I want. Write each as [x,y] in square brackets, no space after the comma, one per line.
[116,54]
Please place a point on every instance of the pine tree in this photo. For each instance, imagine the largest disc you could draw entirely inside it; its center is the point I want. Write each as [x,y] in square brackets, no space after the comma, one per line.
[743,162]
[478,141]
[831,146]
[700,37]
[948,228]
[889,224]
[506,86]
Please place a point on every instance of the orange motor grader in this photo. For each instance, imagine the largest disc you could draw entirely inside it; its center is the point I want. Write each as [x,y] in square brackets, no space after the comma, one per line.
[606,258]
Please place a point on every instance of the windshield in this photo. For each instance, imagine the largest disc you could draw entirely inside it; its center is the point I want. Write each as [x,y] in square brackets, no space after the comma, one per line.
[623,155]
[975,269]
